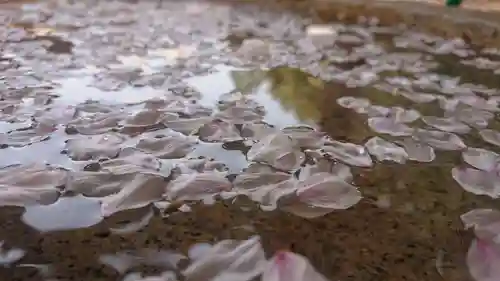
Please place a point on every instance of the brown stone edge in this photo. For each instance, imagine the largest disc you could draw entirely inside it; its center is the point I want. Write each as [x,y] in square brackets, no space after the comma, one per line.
[479,28]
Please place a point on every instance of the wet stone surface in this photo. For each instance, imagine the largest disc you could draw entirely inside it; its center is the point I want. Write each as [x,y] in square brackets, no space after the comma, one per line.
[137,138]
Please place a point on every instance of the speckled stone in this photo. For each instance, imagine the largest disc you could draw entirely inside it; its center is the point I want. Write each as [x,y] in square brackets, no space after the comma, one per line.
[397,242]
[480,28]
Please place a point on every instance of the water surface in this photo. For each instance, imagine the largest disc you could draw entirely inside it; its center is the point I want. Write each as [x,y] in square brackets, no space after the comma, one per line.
[104,106]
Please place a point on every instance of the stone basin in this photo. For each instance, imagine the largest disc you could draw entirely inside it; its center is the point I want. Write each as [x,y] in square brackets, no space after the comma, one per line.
[407,225]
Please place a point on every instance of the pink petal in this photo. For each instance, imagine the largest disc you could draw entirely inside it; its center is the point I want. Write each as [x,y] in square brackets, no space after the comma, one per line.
[288,266]
[483,260]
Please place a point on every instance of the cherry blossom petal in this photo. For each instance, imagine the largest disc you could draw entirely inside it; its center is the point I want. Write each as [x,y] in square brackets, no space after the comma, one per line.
[288,266]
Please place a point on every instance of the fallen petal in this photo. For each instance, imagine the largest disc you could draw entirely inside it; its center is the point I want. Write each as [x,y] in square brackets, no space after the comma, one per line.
[288,266]
[483,258]
[167,147]
[242,259]
[446,124]
[141,191]
[481,159]
[490,136]
[325,190]
[67,213]
[277,150]
[439,140]
[197,186]
[95,147]
[384,125]
[219,131]
[477,181]
[384,150]
[418,151]
[349,153]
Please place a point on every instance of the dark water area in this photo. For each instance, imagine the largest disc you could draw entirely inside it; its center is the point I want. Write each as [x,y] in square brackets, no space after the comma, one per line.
[137,136]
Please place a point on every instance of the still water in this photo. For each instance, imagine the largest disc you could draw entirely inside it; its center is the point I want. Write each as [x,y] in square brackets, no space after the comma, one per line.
[138,137]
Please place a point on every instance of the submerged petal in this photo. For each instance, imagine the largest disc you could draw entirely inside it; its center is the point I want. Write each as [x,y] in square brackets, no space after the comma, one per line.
[403,115]
[146,118]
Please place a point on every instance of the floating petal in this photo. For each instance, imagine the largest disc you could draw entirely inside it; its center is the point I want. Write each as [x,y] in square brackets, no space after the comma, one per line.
[446,124]
[357,104]
[187,126]
[384,150]
[95,147]
[230,259]
[486,223]
[305,136]
[418,151]
[325,190]
[240,115]
[483,258]
[198,186]
[277,150]
[67,213]
[132,160]
[134,226]
[288,266]
[30,185]
[490,136]
[257,131]
[439,140]
[383,125]
[141,191]
[473,117]
[481,159]
[418,97]
[167,147]
[477,181]
[96,124]
[351,154]
[219,131]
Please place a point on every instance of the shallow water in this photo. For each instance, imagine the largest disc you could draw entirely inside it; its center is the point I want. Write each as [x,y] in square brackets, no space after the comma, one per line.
[128,131]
